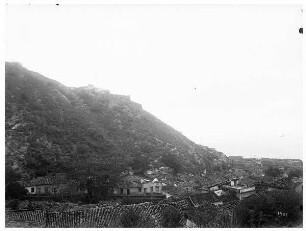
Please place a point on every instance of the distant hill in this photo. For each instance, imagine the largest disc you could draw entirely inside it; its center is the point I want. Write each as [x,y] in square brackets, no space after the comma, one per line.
[53,128]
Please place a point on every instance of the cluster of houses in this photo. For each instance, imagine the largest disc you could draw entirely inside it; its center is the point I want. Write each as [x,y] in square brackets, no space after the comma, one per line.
[212,189]
[135,185]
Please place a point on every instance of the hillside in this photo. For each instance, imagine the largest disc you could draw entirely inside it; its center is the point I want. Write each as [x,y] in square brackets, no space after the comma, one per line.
[53,128]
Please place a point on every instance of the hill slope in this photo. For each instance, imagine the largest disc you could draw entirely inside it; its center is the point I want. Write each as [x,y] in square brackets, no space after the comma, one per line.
[53,128]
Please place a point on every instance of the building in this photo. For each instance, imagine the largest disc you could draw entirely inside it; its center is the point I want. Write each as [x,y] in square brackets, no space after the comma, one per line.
[52,185]
[203,198]
[153,186]
[135,185]
[40,185]
[189,186]
[129,185]
[242,188]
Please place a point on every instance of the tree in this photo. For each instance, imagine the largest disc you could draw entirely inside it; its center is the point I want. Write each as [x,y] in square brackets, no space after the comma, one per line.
[230,197]
[273,172]
[171,161]
[171,218]
[262,209]
[140,164]
[204,214]
[97,179]
[287,202]
[295,173]
[130,219]
[13,190]
[256,210]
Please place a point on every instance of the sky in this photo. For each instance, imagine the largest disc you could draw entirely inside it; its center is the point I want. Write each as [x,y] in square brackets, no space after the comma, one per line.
[226,76]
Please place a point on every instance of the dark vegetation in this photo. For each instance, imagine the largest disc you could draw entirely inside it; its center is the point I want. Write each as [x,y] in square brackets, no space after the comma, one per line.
[295,173]
[130,219]
[171,218]
[13,190]
[171,161]
[272,171]
[203,215]
[51,128]
[262,209]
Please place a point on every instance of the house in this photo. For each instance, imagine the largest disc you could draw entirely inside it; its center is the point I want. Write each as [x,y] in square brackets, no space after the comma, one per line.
[203,198]
[234,181]
[40,185]
[219,192]
[247,182]
[241,190]
[281,184]
[153,186]
[214,183]
[135,185]
[129,185]
[245,192]
[189,186]
[172,191]
[52,185]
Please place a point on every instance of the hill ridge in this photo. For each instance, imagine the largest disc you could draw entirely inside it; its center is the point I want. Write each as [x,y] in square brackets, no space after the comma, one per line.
[54,128]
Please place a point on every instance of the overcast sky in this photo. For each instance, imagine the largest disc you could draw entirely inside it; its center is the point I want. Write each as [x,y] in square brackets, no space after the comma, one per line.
[227,77]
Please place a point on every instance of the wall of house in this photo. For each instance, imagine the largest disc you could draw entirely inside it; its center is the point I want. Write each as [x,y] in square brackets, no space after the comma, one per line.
[218,203]
[244,190]
[150,185]
[218,192]
[214,188]
[30,191]
[39,189]
[133,191]
[43,189]
[234,182]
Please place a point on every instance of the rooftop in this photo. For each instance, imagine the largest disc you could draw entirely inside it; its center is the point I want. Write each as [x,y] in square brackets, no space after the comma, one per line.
[200,199]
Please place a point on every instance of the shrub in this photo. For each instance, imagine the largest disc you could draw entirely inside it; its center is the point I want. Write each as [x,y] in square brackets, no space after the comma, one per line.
[262,209]
[171,218]
[273,172]
[13,204]
[130,219]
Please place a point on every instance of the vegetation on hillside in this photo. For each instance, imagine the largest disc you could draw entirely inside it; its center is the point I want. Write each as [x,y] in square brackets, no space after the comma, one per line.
[51,128]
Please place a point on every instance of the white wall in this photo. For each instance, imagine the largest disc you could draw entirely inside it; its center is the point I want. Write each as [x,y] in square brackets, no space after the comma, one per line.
[151,184]
[29,190]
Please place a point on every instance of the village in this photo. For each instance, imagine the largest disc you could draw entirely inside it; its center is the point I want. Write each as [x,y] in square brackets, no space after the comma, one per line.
[159,186]
[161,181]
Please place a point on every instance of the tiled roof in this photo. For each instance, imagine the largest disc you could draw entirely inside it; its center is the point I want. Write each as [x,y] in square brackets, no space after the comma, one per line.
[230,205]
[247,181]
[50,180]
[177,192]
[203,198]
[211,181]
